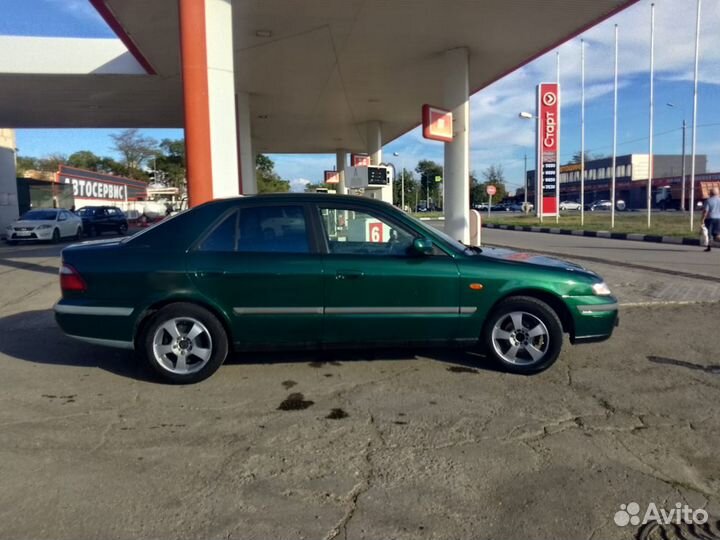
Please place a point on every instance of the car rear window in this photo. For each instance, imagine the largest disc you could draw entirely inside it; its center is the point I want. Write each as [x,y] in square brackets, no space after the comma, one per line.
[261,229]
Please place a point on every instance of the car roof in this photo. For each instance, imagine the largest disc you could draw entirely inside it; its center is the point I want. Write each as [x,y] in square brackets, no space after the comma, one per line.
[298,198]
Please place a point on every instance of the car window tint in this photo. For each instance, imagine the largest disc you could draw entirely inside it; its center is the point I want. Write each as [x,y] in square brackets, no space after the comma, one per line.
[222,238]
[272,229]
[350,232]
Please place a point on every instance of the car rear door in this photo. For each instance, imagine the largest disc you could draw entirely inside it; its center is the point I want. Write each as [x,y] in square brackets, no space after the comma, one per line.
[260,265]
[376,288]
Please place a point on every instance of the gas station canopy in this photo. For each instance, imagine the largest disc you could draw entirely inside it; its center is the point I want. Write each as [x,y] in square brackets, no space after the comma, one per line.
[315,70]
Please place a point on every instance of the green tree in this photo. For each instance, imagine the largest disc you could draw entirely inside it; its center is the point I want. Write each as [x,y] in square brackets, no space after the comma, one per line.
[268,181]
[428,171]
[411,188]
[135,150]
[588,157]
[25,163]
[84,159]
[169,163]
[494,175]
[51,163]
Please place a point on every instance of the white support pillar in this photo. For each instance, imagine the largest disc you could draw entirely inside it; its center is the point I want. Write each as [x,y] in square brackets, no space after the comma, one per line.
[245,147]
[341,162]
[221,97]
[374,142]
[457,164]
[374,150]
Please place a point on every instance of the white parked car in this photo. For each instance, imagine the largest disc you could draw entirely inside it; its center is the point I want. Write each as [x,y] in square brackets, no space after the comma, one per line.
[570,205]
[48,224]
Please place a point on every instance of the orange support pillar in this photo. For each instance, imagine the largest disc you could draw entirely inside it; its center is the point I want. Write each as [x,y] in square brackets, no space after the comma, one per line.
[193,51]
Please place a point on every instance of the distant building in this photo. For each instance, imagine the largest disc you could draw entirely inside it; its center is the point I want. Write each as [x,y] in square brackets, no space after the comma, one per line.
[631,175]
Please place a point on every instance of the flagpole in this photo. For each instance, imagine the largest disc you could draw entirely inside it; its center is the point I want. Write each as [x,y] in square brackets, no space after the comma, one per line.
[652,107]
[615,110]
[557,170]
[694,124]
[582,132]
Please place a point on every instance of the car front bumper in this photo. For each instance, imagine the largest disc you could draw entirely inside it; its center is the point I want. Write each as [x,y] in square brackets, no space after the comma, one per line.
[594,318]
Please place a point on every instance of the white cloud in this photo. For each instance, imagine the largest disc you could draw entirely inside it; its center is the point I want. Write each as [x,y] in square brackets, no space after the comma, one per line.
[298,185]
[77,8]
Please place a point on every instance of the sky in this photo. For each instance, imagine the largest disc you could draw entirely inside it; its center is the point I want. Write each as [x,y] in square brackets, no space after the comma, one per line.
[498,136]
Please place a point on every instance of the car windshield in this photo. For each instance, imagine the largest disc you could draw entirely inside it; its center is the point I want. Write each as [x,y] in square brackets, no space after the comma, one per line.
[39,215]
[454,244]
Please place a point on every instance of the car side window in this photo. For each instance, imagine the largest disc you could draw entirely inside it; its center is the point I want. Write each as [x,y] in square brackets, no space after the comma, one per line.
[353,232]
[222,237]
[272,229]
[62,216]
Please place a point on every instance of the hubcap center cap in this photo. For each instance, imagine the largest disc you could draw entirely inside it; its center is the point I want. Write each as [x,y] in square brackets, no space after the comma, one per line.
[184,344]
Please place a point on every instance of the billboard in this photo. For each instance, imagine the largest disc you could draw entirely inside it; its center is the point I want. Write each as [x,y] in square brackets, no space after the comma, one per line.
[548,148]
[360,160]
[437,124]
[92,186]
[332,177]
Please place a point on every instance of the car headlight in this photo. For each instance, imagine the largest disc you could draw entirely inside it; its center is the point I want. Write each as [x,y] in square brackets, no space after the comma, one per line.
[44,227]
[601,289]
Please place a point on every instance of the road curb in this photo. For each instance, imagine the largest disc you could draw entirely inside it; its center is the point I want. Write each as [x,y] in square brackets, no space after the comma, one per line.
[601,234]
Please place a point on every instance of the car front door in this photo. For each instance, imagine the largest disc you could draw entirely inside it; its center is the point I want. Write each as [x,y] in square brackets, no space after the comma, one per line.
[260,264]
[377,288]
[65,224]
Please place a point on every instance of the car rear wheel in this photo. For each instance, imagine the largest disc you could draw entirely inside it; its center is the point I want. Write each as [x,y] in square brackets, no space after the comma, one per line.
[78,234]
[523,334]
[122,229]
[56,236]
[184,343]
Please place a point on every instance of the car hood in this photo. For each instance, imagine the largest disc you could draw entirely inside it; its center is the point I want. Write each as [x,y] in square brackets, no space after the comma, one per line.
[534,258]
[33,222]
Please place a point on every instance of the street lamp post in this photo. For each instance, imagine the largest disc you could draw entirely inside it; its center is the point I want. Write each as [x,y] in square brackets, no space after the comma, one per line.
[528,116]
[682,197]
[402,185]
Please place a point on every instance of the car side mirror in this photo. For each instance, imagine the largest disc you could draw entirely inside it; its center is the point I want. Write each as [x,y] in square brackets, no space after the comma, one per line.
[423,246]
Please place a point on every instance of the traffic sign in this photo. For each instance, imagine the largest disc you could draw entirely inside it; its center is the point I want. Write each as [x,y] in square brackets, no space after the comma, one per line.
[491,190]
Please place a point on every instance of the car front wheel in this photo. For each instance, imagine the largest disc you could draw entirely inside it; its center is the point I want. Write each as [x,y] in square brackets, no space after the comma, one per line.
[184,343]
[523,334]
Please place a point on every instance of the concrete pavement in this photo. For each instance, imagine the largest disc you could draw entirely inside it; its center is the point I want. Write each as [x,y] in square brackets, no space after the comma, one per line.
[370,444]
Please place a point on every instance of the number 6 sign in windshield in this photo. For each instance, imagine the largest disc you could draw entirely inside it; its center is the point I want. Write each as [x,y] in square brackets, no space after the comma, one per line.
[375,231]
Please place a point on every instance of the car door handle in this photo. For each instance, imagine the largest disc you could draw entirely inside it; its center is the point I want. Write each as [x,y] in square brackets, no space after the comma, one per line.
[209,274]
[349,274]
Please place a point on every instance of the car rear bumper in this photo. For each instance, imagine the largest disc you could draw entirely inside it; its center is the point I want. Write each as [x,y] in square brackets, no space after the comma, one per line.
[112,326]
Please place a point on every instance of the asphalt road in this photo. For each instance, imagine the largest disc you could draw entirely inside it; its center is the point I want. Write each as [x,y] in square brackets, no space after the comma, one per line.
[671,258]
[385,444]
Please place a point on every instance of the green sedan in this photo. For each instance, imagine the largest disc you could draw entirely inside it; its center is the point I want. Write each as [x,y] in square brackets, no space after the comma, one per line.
[319,271]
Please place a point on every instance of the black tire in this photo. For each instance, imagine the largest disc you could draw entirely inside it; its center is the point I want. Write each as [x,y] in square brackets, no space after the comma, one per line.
[503,341]
[183,316]
[78,235]
[122,229]
[56,236]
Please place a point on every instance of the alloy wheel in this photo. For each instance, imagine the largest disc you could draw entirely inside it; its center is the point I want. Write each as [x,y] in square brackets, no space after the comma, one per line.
[520,338]
[182,345]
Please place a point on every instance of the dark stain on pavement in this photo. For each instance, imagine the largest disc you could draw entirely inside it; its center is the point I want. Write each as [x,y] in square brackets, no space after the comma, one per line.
[295,402]
[713,369]
[459,369]
[288,384]
[337,414]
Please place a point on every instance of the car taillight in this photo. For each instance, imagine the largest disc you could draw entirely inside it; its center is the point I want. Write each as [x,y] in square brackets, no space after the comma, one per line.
[71,280]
